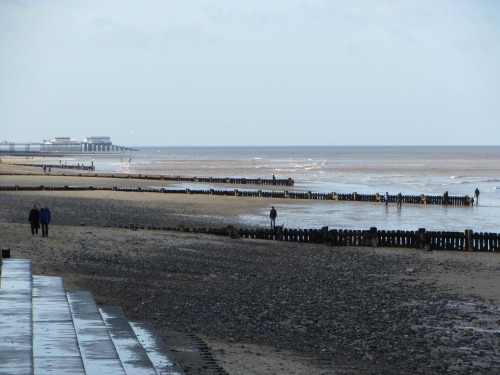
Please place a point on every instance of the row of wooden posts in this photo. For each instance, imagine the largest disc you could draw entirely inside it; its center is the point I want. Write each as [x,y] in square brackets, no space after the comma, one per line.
[419,239]
[80,167]
[445,199]
[214,180]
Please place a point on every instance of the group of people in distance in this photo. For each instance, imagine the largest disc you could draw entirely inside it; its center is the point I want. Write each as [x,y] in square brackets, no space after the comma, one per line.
[42,218]
[399,197]
[39,218]
[399,200]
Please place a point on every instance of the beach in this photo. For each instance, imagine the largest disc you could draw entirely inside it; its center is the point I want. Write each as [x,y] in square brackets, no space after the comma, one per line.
[262,307]
[365,170]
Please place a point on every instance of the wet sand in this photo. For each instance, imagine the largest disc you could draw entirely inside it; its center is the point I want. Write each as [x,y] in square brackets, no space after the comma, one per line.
[263,307]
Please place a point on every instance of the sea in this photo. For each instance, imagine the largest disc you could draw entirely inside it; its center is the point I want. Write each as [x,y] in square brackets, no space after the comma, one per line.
[414,170]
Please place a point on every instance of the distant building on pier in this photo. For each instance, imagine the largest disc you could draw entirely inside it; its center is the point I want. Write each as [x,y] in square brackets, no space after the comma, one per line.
[97,144]
[89,144]
[59,144]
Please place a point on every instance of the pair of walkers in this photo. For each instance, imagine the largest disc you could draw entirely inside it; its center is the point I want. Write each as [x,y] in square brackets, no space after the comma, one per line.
[399,199]
[39,218]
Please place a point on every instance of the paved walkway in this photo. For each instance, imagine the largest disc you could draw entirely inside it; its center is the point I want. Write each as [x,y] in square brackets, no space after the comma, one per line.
[46,330]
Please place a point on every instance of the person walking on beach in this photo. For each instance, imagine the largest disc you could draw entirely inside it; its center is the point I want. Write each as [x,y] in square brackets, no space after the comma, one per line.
[34,220]
[400,200]
[476,193]
[273,215]
[386,198]
[45,220]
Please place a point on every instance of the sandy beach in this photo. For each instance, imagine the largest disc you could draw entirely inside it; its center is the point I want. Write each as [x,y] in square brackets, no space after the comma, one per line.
[262,307]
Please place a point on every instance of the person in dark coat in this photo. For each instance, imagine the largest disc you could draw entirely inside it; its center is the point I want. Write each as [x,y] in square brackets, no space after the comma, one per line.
[34,220]
[45,220]
[476,193]
[273,215]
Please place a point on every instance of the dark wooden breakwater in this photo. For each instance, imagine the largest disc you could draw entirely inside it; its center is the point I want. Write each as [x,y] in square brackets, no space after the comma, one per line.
[212,180]
[467,240]
[444,199]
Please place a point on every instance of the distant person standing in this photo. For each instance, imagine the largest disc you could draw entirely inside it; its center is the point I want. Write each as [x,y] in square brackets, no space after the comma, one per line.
[445,197]
[45,221]
[386,198]
[476,193]
[34,220]
[273,215]
[400,200]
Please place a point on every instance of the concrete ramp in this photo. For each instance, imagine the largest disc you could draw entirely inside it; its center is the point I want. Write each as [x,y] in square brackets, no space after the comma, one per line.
[46,330]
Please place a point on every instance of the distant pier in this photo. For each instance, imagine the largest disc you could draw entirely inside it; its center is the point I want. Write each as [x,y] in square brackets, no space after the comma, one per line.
[64,145]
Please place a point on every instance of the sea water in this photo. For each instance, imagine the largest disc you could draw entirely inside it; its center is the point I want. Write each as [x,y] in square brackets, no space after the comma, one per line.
[412,170]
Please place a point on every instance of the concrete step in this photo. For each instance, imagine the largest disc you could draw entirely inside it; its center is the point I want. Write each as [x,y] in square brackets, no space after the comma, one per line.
[160,355]
[97,349]
[46,330]
[55,346]
[133,356]
[16,347]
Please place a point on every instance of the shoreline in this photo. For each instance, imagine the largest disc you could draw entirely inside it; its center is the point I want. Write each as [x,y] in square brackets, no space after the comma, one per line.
[265,307]
[253,212]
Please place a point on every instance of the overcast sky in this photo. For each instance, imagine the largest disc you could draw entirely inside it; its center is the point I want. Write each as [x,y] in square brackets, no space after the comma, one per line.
[261,72]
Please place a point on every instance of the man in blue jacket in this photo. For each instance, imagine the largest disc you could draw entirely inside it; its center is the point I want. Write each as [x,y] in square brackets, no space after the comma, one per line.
[45,220]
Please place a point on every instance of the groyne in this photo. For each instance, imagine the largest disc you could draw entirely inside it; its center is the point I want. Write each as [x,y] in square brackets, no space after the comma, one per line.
[213,180]
[468,240]
[444,199]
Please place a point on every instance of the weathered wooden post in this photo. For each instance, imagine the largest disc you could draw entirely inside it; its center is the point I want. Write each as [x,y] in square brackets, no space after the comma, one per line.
[309,195]
[374,236]
[469,246]
[325,234]
[445,197]
[422,238]
[233,233]
[354,196]
[182,228]
[278,233]
[5,254]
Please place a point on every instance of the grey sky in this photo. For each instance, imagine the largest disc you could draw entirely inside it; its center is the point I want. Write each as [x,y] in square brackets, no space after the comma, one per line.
[285,72]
